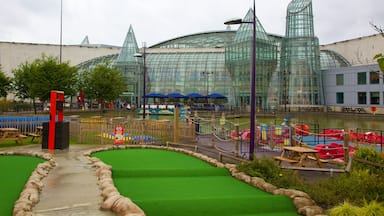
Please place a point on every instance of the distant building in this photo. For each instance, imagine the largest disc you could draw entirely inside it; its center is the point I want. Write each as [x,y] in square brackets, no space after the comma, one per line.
[293,72]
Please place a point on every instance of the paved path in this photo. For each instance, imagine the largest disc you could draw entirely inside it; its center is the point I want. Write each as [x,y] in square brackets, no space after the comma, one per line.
[71,187]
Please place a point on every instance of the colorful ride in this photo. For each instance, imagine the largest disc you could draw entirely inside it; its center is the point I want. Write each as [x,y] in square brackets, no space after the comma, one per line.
[332,150]
[302,130]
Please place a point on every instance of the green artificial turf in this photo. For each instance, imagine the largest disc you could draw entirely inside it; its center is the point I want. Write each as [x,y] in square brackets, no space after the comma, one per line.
[171,183]
[15,171]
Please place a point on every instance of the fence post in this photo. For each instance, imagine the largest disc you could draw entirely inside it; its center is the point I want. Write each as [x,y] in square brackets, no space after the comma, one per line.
[346,144]
[213,130]
[176,125]
[237,137]
[222,124]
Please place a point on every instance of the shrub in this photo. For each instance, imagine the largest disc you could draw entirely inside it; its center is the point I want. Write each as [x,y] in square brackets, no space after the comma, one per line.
[372,208]
[356,187]
[345,209]
[268,169]
[371,155]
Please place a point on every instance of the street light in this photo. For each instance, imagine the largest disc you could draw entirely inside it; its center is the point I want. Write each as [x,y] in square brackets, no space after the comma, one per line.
[61,31]
[253,77]
[143,55]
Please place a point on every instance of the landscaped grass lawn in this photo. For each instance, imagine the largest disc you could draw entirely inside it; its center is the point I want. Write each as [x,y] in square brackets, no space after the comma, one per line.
[171,183]
[15,171]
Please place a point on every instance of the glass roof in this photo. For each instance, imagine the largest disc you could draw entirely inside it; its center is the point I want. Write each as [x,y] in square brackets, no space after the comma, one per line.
[245,30]
[129,49]
[331,59]
[298,5]
[92,63]
[200,40]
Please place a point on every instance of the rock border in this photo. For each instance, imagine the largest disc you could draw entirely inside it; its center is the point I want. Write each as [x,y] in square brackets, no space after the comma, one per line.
[30,195]
[114,201]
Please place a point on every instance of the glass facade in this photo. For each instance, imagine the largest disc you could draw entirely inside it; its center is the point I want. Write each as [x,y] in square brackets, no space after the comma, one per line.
[287,68]
[129,66]
[330,59]
[300,56]
[238,61]
[188,72]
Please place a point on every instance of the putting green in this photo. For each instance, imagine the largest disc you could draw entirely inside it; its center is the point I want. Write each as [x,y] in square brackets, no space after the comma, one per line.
[15,171]
[171,183]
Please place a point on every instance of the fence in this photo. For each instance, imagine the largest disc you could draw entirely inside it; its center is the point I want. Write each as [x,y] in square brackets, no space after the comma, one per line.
[98,130]
[26,124]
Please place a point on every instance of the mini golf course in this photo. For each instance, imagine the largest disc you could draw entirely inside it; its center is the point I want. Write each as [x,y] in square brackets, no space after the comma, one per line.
[15,172]
[171,183]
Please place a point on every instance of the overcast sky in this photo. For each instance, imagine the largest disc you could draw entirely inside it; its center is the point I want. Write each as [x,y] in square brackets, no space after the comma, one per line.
[154,21]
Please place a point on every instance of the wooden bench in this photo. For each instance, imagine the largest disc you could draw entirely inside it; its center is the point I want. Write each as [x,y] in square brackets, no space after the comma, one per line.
[331,170]
[11,134]
[34,135]
[314,158]
[281,159]
[37,133]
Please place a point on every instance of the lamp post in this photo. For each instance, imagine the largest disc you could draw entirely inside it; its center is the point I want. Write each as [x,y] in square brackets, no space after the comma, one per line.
[61,31]
[143,55]
[253,77]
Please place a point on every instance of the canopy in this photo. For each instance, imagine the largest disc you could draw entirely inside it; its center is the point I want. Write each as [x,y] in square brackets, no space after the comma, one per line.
[155,95]
[195,95]
[175,95]
[216,96]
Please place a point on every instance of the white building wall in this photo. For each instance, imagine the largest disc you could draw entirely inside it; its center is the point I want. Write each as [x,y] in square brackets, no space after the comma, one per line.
[359,51]
[13,54]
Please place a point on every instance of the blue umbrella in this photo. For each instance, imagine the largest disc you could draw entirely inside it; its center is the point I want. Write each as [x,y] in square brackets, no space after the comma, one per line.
[175,95]
[216,96]
[195,95]
[155,95]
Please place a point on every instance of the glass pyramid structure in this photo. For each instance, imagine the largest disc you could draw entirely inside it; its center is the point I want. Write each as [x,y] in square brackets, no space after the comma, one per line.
[129,65]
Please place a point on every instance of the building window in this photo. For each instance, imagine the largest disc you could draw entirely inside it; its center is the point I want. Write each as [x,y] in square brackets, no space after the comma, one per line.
[374,77]
[362,78]
[339,79]
[362,97]
[340,97]
[375,98]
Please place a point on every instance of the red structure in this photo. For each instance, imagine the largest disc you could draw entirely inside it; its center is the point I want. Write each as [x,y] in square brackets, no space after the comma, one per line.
[57,106]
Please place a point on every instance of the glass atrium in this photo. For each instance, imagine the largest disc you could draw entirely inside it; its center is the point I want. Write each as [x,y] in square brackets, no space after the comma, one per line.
[288,68]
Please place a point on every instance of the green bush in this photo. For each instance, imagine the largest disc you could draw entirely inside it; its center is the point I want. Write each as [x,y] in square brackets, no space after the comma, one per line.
[345,209]
[356,187]
[268,169]
[371,155]
[372,208]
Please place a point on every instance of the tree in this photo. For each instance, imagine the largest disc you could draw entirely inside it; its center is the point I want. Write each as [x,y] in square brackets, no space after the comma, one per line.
[103,84]
[379,57]
[380,60]
[36,80]
[5,84]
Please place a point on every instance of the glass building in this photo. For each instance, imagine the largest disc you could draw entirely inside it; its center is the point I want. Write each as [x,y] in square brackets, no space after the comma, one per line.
[288,68]
[300,77]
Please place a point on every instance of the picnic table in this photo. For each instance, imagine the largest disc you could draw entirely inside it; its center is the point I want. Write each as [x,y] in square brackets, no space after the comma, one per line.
[11,134]
[299,156]
[37,133]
